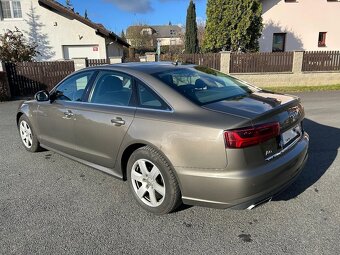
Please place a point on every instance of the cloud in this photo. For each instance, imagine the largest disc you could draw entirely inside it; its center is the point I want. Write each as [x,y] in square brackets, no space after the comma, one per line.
[134,6]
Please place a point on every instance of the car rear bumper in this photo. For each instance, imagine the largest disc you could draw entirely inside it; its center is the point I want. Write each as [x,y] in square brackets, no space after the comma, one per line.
[243,188]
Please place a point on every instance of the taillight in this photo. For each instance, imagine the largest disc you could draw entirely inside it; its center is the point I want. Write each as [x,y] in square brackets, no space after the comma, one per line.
[246,137]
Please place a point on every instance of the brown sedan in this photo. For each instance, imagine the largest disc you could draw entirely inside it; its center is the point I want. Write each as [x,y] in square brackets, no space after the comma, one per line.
[176,133]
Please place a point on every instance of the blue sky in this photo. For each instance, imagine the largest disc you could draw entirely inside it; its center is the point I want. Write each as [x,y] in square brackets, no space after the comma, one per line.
[119,14]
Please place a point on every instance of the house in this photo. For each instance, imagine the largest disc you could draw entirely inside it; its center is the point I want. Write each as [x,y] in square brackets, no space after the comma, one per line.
[291,25]
[59,32]
[168,35]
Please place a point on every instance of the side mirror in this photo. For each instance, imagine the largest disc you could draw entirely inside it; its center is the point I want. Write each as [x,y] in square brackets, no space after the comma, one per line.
[42,96]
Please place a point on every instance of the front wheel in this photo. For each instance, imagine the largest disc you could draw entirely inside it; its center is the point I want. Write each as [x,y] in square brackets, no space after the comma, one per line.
[152,181]
[27,135]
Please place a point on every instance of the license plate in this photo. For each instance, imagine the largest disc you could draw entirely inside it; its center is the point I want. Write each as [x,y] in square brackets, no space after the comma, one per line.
[290,135]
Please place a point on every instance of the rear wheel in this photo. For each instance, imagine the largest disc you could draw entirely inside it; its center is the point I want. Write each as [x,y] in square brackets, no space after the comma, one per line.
[152,181]
[27,134]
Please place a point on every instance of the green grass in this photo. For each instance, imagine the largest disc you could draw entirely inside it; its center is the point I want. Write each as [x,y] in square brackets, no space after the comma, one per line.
[291,89]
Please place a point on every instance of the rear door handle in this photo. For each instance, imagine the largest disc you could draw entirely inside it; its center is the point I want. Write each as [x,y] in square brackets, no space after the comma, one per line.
[118,121]
[68,114]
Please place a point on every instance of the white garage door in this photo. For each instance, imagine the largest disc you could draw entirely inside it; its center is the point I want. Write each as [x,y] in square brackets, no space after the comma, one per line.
[81,51]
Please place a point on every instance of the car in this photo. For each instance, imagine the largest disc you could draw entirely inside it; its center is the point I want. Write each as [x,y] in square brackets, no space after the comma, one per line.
[176,133]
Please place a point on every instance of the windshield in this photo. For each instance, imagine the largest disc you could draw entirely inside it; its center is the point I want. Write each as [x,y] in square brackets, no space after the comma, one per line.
[204,85]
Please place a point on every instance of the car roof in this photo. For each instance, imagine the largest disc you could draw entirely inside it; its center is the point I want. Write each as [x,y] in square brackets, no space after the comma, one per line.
[147,67]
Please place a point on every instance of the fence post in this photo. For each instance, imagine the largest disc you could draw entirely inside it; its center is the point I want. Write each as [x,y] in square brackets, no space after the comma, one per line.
[225,61]
[297,62]
[115,60]
[79,63]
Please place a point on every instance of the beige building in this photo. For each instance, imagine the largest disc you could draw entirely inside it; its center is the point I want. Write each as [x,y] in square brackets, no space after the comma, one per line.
[168,35]
[59,32]
[300,25]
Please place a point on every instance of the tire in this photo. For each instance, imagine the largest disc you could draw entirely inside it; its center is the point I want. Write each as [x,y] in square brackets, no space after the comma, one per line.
[27,135]
[152,181]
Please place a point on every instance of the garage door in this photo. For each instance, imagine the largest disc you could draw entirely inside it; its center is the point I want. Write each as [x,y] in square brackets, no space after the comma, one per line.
[81,51]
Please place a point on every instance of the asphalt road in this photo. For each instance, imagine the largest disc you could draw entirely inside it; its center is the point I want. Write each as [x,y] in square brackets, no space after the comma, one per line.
[53,205]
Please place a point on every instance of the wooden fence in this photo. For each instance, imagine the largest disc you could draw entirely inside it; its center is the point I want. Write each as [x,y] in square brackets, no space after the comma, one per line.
[261,62]
[316,61]
[96,62]
[4,88]
[212,60]
[27,78]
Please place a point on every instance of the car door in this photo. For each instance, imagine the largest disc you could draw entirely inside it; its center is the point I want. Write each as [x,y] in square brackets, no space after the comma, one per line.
[56,117]
[103,121]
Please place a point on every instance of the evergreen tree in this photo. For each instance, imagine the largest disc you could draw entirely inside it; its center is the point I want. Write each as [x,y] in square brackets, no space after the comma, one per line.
[233,25]
[122,35]
[191,41]
[68,4]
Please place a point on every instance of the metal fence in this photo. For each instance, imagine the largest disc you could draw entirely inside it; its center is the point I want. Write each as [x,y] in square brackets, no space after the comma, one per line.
[261,62]
[316,61]
[27,78]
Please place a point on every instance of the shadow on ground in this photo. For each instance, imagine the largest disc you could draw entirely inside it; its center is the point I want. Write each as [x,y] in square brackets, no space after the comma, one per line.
[323,150]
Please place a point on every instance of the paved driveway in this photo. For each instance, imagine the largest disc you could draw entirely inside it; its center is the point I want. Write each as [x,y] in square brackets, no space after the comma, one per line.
[53,205]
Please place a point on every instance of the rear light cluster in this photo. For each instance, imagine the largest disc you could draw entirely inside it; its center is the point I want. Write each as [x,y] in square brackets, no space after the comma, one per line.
[246,137]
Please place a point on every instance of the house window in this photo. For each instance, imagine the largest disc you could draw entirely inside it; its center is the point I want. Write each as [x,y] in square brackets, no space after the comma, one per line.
[279,42]
[11,9]
[322,39]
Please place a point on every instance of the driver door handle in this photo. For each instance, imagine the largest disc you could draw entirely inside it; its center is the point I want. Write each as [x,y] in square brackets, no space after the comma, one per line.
[118,121]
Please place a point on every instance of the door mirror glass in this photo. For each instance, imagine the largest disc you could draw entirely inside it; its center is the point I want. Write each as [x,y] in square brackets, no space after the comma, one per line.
[42,96]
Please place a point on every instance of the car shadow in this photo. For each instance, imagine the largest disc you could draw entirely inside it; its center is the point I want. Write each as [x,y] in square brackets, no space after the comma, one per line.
[323,150]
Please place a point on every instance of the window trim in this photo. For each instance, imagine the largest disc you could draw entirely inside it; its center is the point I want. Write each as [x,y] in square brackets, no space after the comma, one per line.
[89,84]
[322,44]
[132,101]
[11,9]
[284,41]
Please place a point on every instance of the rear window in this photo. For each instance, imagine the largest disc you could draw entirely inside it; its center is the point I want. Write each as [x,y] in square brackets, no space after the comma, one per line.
[203,85]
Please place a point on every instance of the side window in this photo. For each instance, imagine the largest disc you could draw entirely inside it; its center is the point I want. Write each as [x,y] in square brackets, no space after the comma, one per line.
[112,89]
[73,88]
[148,99]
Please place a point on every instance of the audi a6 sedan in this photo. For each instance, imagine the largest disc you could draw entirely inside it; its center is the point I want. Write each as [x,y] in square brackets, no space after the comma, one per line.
[176,133]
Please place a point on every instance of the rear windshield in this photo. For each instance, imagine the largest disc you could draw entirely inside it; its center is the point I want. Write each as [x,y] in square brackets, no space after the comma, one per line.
[203,85]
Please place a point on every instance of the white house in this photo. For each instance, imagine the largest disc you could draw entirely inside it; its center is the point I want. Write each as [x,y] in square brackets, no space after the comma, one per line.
[300,25]
[59,32]
[167,35]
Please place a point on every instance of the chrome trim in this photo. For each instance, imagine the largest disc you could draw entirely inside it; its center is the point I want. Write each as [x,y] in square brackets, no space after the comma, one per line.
[286,149]
[117,106]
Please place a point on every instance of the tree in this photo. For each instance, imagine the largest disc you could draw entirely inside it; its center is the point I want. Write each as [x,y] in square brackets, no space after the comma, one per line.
[233,25]
[86,15]
[191,41]
[141,36]
[68,4]
[122,35]
[15,48]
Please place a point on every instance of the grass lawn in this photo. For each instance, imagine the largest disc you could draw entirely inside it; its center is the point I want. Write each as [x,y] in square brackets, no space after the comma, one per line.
[290,89]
